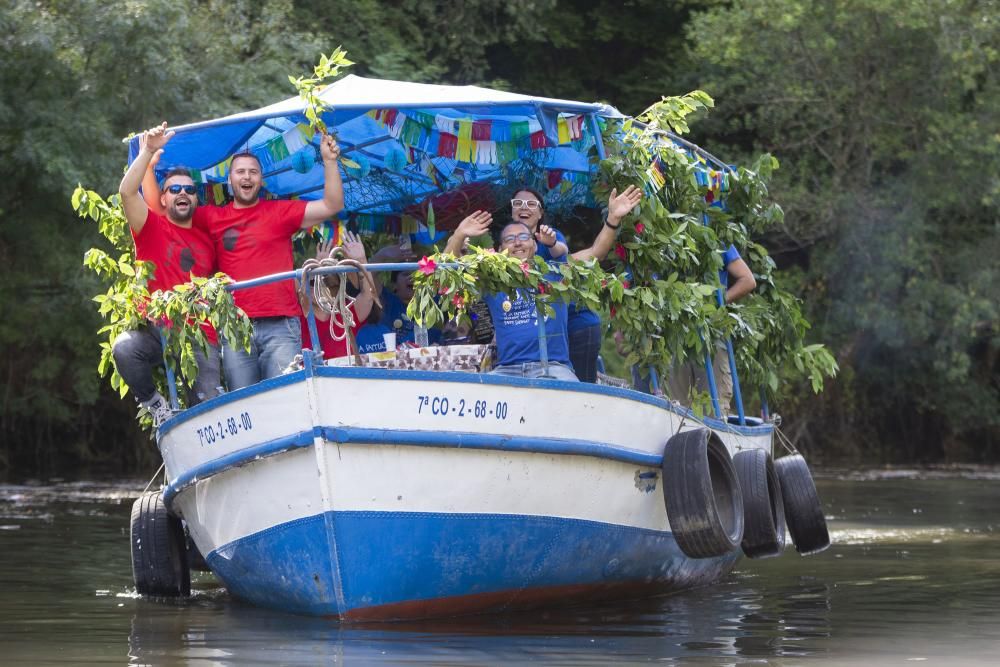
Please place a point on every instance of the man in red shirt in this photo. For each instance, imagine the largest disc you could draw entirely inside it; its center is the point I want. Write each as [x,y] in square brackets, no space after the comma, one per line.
[253,238]
[177,250]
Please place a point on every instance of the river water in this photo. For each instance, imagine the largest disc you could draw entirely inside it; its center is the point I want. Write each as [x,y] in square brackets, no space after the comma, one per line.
[913,576]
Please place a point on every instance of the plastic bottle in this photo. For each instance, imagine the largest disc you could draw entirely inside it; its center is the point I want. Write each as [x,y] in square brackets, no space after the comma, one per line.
[420,336]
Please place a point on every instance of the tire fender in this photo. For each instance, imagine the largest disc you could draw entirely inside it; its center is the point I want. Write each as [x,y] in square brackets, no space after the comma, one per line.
[803,510]
[702,494]
[763,508]
[159,549]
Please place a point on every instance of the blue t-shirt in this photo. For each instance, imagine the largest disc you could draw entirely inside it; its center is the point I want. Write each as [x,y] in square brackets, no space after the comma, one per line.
[370,338]
[728,257]
[579,318]
[517,329]
[395,318]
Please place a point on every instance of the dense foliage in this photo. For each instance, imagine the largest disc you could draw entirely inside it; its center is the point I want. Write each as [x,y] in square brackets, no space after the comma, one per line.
[883,115]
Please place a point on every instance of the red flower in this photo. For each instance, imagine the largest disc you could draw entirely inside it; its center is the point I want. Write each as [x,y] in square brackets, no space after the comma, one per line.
[640,228]
[458,300]
[426,266]
[620,251]
[709,197]
[613,311]
[542,288]
[525,267]
[626,284]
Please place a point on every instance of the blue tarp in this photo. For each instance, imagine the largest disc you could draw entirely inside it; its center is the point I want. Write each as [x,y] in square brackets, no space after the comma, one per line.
[410,141]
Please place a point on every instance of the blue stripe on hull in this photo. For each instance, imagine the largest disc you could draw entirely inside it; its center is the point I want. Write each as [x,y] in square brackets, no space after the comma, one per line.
[467,562]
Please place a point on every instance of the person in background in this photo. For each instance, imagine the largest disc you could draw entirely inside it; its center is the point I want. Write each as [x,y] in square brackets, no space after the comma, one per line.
[515,316]
[737,282]
[178,250]
[328,329]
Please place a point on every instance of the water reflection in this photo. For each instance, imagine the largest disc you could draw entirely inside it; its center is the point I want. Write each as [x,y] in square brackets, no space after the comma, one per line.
[914,575]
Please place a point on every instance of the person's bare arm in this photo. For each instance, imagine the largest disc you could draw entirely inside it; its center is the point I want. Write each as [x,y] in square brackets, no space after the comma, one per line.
[332,202]
[619,205]
[151,143]
[355,249]
[474,225]
[150,188]
[741,280]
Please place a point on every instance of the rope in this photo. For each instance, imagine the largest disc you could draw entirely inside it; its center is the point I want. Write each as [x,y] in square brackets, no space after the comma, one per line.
[785,441]
[338,305]
[153,478]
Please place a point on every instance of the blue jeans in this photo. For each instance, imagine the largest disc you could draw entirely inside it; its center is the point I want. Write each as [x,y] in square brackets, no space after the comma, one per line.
[138,352]
[275,342]
[533,369]
[584,346]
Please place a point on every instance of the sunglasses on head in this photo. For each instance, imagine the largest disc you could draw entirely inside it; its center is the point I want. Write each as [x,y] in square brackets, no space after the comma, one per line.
[522,236]
[525,203]
[176,189]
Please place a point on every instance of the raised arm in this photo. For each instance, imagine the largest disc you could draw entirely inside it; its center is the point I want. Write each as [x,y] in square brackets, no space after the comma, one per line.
[150,188]
[355,249]
[547,237]
[332,202]
[619,205]
[741,280]
[151,143]
[474,225]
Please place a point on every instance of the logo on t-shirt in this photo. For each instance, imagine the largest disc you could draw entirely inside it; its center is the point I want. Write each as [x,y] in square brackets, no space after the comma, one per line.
[229,238]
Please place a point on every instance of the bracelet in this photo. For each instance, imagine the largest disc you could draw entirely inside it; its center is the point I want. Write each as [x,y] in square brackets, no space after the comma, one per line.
[610,226]
[551,246]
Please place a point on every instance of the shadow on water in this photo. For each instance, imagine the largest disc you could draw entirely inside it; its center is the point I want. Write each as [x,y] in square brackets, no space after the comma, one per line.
[914,575]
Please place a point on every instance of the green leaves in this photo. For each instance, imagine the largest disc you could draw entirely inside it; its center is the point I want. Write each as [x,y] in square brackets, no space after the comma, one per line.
[309,88]
[127,304]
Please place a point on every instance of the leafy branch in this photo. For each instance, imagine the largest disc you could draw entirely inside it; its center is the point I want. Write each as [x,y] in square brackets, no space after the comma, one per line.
[179,314]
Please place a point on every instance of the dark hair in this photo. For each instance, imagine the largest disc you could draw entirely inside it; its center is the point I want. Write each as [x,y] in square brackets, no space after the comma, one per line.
[247,154]
[538,195]
[176,171]
[511,224]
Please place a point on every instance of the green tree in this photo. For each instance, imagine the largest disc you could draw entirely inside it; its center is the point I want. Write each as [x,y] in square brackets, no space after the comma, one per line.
[884,116]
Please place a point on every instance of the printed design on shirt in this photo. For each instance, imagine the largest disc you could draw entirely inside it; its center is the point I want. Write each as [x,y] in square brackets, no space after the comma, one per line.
[230,237]
[182,254]
[522,311]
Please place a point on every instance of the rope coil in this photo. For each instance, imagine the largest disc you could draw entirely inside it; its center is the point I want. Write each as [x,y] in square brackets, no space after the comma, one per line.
[333,300]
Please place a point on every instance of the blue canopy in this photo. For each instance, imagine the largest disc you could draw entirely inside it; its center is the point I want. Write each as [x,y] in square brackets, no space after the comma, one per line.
[406,142]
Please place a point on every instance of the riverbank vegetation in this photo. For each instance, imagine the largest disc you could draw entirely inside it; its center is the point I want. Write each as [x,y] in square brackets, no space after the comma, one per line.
[883,116]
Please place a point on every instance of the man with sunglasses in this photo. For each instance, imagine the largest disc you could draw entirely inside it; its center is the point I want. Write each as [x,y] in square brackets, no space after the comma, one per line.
[177,250]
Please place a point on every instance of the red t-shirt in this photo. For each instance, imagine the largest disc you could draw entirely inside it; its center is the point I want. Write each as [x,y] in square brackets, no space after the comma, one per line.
[177,252]
[253,242]
[331,348]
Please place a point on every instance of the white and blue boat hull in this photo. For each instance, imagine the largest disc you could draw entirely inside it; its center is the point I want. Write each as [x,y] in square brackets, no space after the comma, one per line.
[372,494]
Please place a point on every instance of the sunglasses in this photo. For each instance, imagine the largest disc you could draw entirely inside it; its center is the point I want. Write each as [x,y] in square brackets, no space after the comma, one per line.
[525,203]
[510,238]
[176,189]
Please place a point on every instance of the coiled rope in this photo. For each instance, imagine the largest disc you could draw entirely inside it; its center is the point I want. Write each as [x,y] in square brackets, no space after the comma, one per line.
[334,300]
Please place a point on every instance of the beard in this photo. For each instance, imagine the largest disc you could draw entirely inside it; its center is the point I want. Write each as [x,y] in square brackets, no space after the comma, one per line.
[245,199]
[181,215]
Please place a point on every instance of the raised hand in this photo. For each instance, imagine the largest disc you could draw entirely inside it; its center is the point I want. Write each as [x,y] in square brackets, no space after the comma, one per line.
[354,248]
[324,249]
[476,224]
[546,236]
[329,148]
[619,205]
[155,138]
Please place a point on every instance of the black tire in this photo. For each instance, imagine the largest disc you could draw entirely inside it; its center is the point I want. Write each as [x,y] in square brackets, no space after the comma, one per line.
[803,510]
[159,549]
[702,495]
[763,511]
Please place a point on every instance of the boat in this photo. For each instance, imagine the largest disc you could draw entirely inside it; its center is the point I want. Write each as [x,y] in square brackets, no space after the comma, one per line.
[414,486]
